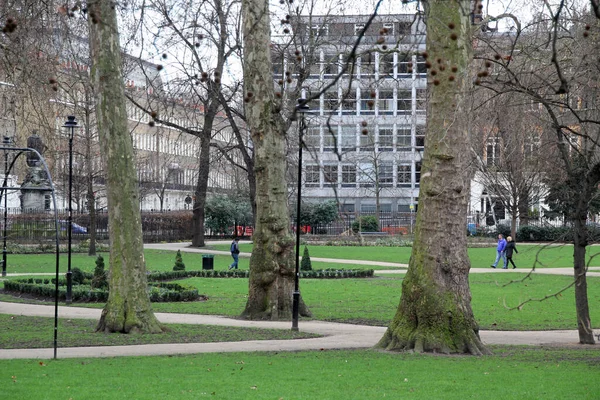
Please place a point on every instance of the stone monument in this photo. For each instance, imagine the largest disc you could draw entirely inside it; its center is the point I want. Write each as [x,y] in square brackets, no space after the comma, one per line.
[36,180]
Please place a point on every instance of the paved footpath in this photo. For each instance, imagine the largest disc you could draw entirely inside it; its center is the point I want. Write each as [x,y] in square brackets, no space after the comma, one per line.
[335,335]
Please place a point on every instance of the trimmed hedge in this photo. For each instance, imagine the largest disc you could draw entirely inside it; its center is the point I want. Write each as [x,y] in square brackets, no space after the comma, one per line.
[315,274]
[158,292]
[532,233]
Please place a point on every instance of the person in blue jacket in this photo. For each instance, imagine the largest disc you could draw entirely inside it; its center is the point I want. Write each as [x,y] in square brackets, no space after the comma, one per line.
[235,251]
[500,251]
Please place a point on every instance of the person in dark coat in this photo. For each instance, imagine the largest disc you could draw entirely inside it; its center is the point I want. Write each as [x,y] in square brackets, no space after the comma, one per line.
[510,246]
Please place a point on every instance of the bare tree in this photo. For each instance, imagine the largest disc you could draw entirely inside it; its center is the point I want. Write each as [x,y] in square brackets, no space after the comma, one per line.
[512,163]
[553,62]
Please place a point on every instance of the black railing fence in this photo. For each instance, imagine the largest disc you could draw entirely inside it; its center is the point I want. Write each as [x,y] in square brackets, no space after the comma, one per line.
[172,226]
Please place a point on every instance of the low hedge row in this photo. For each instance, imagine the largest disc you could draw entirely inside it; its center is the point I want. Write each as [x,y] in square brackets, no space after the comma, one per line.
[159,291]
[315,274]
[531,233]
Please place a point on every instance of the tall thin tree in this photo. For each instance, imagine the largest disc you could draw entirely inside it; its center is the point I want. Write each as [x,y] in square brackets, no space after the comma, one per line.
[128,308]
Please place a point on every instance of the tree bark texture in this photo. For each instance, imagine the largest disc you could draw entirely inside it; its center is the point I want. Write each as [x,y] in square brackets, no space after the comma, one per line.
[272,267]
[434,314]
[580,242]
[128,308]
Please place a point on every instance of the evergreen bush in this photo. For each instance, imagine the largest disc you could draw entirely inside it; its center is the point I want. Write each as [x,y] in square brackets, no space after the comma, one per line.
[367,223]
[305,265]
[99,280]
[179,265]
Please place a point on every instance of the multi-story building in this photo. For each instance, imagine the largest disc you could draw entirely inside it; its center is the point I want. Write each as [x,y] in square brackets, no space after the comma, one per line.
[365,134]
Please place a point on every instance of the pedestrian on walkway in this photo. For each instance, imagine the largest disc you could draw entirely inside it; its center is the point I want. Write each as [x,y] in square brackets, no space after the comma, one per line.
[500,251]
[510,246]
[235,251]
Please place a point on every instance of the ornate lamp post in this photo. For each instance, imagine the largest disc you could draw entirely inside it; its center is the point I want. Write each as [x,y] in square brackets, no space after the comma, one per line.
[6,143]
[70,125]
[302,108]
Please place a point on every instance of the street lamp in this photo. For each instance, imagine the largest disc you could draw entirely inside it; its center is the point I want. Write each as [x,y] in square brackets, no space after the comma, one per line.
[70,125]
[5,143]
[302,108]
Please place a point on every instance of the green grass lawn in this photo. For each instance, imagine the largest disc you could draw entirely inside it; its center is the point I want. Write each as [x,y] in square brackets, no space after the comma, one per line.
[374,301]
[23,332]
[511,373]
[163,260]
[543,256]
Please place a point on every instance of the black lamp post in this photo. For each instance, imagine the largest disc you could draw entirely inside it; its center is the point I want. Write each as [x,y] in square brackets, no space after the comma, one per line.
[301,108]
[70,124]
[6,142]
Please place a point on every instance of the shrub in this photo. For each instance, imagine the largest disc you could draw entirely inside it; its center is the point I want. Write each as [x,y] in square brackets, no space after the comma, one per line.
[367,223]
[179,265]
[305,265]
[77,276]
[99,280]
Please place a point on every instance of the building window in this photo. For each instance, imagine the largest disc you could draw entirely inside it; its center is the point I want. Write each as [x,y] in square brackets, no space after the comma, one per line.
[367,141]
[404,101]
[366,175]
[421,100]
[368,208]
[367,64]
[417,173]
[330,175]
[358,29]
[421,67]
[349,175]
[386,102]
[492,155]
[404,28]
[404,172]
[389,28]
[330,64]
[348,137]
[312,138]
[405,64]
[386,64]
[386,174]
[420,137]
[330,138]
[367,101]
[319,31]
[349,102]
[347,208]
[312,175]
[330,102]
[404,138]
[385,208]
[386,138]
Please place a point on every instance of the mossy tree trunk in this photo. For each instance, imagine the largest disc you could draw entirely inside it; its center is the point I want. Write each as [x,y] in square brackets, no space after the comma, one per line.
[434,314]
[272,265]
[128,308]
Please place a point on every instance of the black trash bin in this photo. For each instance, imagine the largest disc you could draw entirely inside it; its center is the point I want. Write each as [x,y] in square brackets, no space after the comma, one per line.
[208,261]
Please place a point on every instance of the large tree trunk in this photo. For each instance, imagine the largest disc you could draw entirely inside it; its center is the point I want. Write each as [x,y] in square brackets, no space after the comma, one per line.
[435,307]
[128,308]
[272,266]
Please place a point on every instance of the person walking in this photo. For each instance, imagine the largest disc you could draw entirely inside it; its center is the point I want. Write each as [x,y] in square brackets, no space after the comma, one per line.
[235,251]
[500,251]
[510,246]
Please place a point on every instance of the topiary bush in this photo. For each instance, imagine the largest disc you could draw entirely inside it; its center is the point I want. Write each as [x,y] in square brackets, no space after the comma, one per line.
[179,265]
[100,279]
[305,265]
